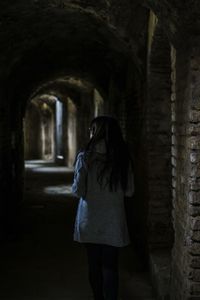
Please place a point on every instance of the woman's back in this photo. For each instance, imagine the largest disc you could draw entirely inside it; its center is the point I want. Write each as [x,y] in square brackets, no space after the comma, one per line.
[101,213]
[103,176]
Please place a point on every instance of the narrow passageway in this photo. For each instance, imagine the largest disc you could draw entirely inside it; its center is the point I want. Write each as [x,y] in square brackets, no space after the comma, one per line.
[43,262]
[62,63]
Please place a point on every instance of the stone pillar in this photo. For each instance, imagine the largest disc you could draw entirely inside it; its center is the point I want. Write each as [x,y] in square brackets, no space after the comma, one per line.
[65,130]
[32,132]
[98,103]
[133,98]
[59,132]
[46,131]
[158,124]
[71,132]
[157,150]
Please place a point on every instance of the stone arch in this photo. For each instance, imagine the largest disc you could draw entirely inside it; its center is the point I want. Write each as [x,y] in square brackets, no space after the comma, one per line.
[32,138]
[77,98]
[47,132]
[60,55]
[52,53]
[72,132]
[66,54]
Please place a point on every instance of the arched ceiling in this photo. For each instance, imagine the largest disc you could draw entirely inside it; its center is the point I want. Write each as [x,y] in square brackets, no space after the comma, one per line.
[63,84]
[56,41]
[63,88]
[29,24]
[42,40]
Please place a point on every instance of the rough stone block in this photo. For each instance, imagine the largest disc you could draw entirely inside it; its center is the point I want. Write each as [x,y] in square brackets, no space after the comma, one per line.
[195,170]
[195,102]
[194,62]
[173,161]
[194,157]
[194,262]
[195,289]
[195,236]
[195,223]
[174,172]
[173,97]
[194,249]
[194,129]
[194,116]
[174,193]
[194,210]
[173,128]
[174,140]
[194,183]
[174,183]
[194,197]
[194,275]
[173,116]
[194,143]
[174,151]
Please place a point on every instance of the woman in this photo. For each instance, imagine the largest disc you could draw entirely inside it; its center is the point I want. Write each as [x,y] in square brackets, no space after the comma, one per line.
[103,177]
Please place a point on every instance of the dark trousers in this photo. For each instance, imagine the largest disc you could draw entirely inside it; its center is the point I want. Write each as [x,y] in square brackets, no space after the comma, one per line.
[103,271]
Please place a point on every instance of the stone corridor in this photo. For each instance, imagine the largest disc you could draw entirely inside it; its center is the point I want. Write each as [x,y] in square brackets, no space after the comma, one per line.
[41,261]
[62,63]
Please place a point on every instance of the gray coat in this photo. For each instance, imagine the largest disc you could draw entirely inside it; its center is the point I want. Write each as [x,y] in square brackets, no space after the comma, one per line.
[100,215]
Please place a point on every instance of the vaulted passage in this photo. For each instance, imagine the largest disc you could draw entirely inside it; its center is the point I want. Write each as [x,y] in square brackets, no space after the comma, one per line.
[61,64]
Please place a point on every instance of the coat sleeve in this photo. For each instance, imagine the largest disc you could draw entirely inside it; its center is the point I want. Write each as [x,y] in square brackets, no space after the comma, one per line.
[79,185]
[130,184]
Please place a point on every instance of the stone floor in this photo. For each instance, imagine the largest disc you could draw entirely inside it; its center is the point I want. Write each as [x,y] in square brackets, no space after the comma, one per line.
[42,262]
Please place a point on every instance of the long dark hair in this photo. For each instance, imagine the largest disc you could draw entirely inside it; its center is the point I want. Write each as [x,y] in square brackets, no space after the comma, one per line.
[116,157]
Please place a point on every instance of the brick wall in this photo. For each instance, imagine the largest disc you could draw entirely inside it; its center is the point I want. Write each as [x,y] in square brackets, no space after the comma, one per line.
[185,282]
